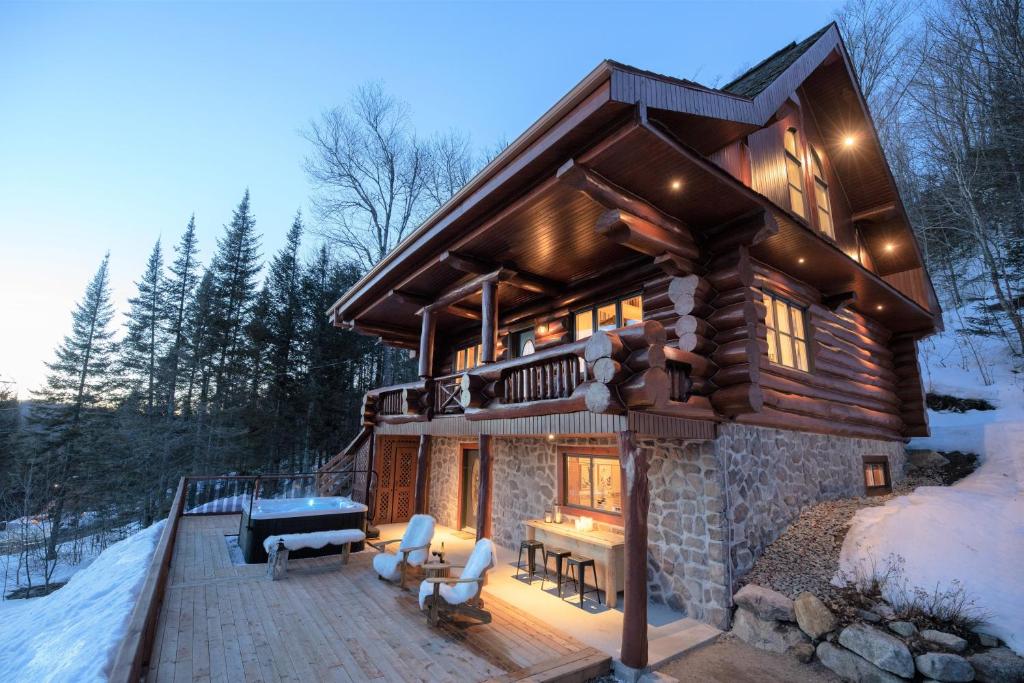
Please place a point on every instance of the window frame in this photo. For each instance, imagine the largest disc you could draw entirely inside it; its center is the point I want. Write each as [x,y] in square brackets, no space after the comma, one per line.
[818,174]
[594,308]
[771,297]
[794,156]
[514,338]
[873,461]
[477,347]
[592,452]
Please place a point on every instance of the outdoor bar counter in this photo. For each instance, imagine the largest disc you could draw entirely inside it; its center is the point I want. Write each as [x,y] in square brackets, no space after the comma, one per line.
[605,547]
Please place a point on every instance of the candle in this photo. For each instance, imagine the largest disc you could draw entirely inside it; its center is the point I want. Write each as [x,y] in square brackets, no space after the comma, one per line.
[547,516]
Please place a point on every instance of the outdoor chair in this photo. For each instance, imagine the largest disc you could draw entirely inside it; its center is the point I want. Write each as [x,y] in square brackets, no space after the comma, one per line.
[460,595]
[413,550]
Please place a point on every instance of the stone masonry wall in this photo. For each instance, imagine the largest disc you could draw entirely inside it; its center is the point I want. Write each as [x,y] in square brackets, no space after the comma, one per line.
[524,478]
[773,473]
[443,495]
[686,528]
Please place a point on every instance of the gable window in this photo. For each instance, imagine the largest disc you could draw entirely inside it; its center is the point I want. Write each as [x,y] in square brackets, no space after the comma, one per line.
[608,316]
[592,482]
[876,475]
[787,340]
[821,197]
[795,174]
[467,357]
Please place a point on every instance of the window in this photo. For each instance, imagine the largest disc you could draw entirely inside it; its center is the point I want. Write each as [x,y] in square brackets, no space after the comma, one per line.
[608,316]
[593,482]
[795,174]
[876,475]
[523,343]
[787,341]
[467,357]
[821,197]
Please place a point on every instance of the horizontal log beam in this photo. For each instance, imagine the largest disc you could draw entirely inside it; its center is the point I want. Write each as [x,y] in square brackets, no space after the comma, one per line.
[640,234]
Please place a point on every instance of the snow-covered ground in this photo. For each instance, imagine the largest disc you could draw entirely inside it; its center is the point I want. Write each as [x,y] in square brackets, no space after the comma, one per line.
[973,531]
[73,634]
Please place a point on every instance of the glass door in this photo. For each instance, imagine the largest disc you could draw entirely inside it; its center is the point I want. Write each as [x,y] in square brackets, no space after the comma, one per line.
[470,488]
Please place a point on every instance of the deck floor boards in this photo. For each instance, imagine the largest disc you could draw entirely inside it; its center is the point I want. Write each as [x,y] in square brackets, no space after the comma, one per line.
[324,622]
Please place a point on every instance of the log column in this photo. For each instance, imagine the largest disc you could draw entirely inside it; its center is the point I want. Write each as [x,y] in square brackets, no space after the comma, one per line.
[422,462]
[488,321]
[426,353]
[636,500]
[483,509]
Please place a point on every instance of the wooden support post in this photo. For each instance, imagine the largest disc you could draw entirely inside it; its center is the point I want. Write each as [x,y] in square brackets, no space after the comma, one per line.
[488,321]
[422,460]
[483,510]
[633,461]
[426,355]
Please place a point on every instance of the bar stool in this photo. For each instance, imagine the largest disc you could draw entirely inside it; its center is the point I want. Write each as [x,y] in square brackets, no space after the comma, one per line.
[578,564]
[559,554]
[531,547]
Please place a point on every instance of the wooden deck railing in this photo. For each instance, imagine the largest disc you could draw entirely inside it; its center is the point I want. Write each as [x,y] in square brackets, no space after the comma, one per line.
[137,643]
[390,402]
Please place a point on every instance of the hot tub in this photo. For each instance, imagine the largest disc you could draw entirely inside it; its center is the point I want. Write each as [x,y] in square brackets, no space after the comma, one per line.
[273,516]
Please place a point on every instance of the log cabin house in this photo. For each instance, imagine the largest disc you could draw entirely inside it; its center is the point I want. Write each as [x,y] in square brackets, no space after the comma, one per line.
[682,312]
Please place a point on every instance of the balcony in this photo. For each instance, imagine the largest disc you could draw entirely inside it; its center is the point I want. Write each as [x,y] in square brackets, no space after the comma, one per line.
[613,371]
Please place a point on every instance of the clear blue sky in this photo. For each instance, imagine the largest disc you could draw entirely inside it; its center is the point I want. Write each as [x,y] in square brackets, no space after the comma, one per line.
[119,120]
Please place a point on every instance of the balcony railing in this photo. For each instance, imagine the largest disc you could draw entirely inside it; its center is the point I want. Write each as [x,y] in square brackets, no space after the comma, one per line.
[447,391]
[543,379]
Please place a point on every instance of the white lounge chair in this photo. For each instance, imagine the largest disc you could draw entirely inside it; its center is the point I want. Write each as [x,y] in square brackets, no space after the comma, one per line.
[413,550]
[460,595]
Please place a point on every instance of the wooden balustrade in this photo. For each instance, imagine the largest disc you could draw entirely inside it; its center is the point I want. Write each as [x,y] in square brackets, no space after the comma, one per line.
[679,383]
[390,403]
[542,380]
[446,395]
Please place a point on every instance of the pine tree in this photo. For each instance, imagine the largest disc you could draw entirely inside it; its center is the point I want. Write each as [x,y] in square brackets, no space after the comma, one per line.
[145,339]
[72,411]
[235,268]
[180,289]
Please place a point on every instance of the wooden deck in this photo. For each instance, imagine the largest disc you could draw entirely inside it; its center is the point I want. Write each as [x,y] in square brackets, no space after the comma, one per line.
[325,622]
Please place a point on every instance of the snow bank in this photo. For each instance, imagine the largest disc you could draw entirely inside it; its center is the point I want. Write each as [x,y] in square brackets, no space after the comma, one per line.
[973,531]
[73,633]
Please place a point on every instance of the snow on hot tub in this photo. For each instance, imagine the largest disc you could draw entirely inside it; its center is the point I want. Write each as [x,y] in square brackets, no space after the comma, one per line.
[277,516]
[278,508]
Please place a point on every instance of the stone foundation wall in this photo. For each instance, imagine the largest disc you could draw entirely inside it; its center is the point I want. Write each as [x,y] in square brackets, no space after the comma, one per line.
[524,485]
[443,494]
[773,473]
[687,537]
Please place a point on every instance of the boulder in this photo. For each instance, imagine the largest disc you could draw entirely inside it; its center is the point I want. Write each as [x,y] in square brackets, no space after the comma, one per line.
[813,617]
[878,647]
[850,667]
[765,603]
[867,615]
[766,634]
[940,666]
[988,641]
[924,459]
[802,651]
[999,665]
[903,628]
[946,640]
[883,610]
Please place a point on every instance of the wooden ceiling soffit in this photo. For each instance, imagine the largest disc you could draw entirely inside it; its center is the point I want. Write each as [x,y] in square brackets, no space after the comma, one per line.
[391,334]
[611,196]
[839,302]
[510,274]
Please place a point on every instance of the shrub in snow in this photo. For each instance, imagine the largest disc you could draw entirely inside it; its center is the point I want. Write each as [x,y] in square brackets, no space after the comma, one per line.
[73,634]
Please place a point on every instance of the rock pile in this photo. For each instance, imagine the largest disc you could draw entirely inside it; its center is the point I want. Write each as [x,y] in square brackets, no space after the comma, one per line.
[886,650]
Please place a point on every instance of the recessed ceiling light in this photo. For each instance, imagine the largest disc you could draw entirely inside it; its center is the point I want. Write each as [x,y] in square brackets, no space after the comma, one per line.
[849,141]
[889,246]
[551,437]
[801,259]
[677,184]
[879,307]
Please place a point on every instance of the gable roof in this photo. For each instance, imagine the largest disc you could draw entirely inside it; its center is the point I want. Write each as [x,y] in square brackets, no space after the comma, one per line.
[760,76]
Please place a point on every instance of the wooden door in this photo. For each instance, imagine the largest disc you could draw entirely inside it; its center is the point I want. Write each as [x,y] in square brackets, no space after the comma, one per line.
[396,480]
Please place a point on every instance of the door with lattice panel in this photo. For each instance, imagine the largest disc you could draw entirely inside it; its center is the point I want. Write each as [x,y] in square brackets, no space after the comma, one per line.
[396,480]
